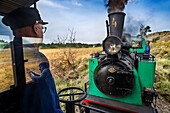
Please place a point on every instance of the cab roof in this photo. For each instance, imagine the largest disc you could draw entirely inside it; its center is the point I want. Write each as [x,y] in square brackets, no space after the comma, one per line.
[136,38]
[6,6]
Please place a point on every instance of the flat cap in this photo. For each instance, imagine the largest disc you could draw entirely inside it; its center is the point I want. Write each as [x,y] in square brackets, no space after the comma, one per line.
[22,17]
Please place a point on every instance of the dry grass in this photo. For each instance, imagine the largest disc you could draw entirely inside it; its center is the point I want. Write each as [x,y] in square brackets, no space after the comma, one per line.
[6,73]
[161,50]
[79,52]
[60,67]
[56,58]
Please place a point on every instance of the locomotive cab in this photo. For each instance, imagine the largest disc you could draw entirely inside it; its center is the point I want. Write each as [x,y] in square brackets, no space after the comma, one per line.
[138,44]
[15,54]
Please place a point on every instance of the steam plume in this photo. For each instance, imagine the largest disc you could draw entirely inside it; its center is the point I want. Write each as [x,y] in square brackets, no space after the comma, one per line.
[115,5]
[132,25]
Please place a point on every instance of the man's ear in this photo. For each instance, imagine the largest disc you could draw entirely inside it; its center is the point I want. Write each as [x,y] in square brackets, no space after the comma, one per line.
[36,29]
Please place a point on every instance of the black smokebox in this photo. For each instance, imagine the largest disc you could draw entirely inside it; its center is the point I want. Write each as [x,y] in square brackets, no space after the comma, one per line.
[116,21]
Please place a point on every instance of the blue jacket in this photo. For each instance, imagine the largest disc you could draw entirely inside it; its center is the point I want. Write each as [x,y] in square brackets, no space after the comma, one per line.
[46,99]
[147,49]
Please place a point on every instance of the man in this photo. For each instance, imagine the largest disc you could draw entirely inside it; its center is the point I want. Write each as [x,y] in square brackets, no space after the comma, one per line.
[147,48]
[26,22]
[133,54]
[49,100]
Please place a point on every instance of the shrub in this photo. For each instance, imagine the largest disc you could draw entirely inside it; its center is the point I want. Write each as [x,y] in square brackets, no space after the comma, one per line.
[85,59]
[84,67]
[163,88]
[84,72]
[155,39]
[163,75]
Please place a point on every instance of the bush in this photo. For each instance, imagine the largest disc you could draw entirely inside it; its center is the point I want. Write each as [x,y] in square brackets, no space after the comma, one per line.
[167,56]
[155,39]
[163,74]
[163,88]
[155,52]
[84,67]
[85,59]
[84,72]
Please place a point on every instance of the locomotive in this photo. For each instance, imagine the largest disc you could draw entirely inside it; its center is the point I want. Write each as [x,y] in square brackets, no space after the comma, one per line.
[120,80]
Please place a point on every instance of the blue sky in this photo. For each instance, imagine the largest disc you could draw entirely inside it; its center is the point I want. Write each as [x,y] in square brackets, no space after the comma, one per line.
[87,17]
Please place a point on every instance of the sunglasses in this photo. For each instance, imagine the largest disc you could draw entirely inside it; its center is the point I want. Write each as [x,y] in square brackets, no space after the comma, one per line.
[44,29]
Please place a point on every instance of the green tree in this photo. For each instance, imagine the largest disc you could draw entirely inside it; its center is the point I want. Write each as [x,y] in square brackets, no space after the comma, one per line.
[144,30]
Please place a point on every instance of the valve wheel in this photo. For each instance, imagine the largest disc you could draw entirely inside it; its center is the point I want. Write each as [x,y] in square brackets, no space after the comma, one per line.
[82,95]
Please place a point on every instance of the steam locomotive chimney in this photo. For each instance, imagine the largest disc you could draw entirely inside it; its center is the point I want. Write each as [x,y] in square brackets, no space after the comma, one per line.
[116,16]
[116,23]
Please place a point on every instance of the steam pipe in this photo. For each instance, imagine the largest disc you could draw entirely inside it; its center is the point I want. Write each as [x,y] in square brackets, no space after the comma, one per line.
[107,27]
[35,5]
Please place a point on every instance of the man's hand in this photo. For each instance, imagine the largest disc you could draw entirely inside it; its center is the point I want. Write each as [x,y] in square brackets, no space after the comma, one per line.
[28,70]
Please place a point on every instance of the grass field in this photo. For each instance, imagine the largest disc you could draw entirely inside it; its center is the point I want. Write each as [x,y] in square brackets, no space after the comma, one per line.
[161,50]
[59,66]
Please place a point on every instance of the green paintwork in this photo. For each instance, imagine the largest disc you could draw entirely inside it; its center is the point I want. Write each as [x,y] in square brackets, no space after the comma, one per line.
[92,65]
[140,50]
[146,70]
[134,98]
